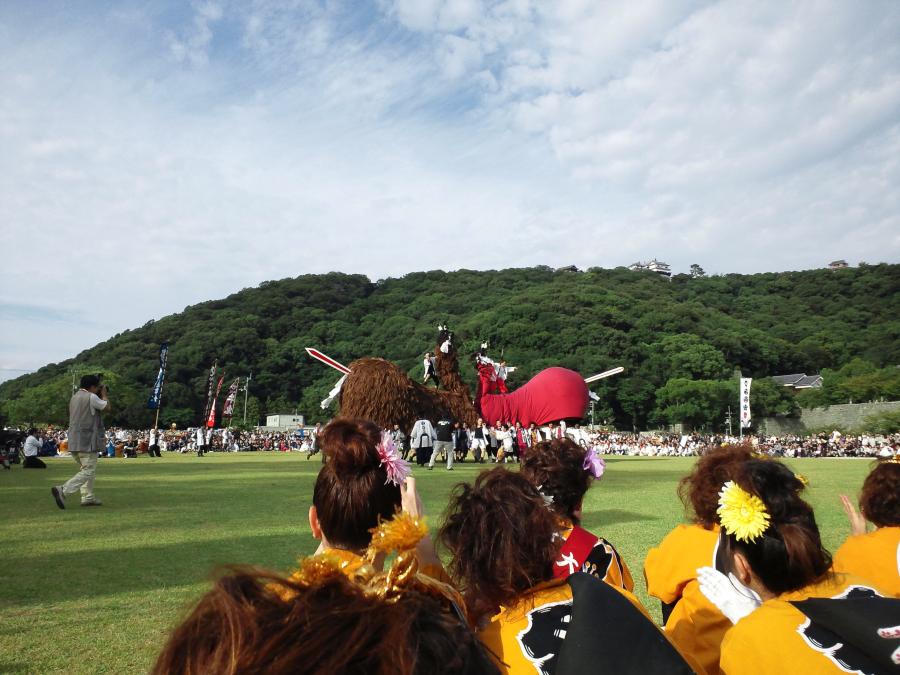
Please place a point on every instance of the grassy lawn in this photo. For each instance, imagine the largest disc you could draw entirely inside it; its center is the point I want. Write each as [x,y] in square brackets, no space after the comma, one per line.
[128,570]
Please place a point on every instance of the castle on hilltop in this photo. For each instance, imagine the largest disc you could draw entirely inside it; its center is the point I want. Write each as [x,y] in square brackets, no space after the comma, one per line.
[654,265]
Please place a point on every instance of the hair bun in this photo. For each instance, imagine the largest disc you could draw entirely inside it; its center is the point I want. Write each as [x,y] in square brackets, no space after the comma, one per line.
[350,445]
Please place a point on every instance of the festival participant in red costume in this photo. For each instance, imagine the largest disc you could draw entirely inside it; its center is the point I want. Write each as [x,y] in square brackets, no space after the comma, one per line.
[692,622]
[791,611]
[875,555]
[487,376]
[531,621]
[501,371]
[563,471]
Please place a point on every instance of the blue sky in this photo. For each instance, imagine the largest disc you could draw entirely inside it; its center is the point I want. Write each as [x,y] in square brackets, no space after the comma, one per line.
[160,154]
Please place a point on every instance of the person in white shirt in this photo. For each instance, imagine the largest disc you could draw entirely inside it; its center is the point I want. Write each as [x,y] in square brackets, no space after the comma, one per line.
[153,444]
[422,438]
[31,449]
[501,372]
[201,441]
[479,440]
[429,364]
[505,439]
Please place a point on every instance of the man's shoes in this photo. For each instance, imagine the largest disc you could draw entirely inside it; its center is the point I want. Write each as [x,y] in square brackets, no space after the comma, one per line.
[431,468]
[58,496]
[92,502]
[449,468]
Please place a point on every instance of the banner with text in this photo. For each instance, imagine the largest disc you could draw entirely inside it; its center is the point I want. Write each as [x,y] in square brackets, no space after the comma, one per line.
[210,383]
[745,402]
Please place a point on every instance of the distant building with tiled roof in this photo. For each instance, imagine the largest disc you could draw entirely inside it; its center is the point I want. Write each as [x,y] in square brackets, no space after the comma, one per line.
[838,264]
[798,381]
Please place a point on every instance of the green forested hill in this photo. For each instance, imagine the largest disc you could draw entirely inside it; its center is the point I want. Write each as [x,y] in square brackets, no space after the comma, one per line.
[667,334]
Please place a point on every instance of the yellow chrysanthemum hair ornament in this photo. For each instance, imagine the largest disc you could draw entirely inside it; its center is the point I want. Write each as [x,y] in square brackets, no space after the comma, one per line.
[803,479]
[742,514]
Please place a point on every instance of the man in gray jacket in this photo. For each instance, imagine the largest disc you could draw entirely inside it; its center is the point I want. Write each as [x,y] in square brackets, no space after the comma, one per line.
[86,439]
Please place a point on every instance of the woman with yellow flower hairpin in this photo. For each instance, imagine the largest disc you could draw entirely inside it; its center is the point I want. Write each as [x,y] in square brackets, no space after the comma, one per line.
[875,555]
[692,622]
[790,611]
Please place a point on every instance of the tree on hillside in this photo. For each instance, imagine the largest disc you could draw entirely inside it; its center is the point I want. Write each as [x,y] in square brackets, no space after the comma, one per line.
[688,356]
[768,398]
[858,381]
[697,271]
[700,404]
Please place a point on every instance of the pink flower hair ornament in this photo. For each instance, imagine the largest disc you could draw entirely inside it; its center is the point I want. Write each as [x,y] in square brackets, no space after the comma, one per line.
[397,468]
[594,463]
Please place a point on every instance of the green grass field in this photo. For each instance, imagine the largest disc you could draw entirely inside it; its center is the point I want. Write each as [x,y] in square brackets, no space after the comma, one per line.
[96,590]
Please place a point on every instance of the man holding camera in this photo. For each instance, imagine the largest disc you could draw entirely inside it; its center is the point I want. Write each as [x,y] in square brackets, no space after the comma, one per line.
[86,438]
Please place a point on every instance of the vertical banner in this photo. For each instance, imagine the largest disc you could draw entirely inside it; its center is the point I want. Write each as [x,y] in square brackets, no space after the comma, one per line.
[156,393]
[228,406]
[745,402]
[210,383]
[211,420]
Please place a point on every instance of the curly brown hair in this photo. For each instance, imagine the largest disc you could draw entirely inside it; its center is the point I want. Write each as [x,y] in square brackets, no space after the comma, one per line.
[556,468]
[351,491]
[490,559]
[699,490]
[880,498]
[243,626]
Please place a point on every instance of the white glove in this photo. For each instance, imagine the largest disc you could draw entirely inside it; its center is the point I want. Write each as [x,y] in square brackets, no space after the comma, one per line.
[732,598]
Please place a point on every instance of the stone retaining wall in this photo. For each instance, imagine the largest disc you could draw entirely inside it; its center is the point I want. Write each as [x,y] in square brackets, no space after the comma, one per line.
[845,416]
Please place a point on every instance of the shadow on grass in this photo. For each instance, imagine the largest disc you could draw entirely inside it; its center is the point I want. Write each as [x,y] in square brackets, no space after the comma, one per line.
[12,667]
[73,575]
[613,516]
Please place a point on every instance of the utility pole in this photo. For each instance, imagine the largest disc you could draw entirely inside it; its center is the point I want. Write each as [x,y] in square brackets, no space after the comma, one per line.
[246,389]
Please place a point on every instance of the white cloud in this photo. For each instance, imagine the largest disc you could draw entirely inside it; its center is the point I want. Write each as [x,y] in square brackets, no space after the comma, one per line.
[192,44]
[415,14]
[288,137]
[459,56]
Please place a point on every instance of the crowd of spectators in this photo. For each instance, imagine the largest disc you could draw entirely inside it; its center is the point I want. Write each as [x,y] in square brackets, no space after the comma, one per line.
[675,445]
[487,443]
[130,442]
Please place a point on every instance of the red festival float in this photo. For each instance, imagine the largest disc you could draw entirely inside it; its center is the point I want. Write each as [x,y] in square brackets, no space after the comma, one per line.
[378,390]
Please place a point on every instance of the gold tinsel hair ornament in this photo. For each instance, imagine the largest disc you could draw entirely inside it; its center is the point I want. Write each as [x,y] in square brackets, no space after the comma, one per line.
[742,514]
[401,534]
